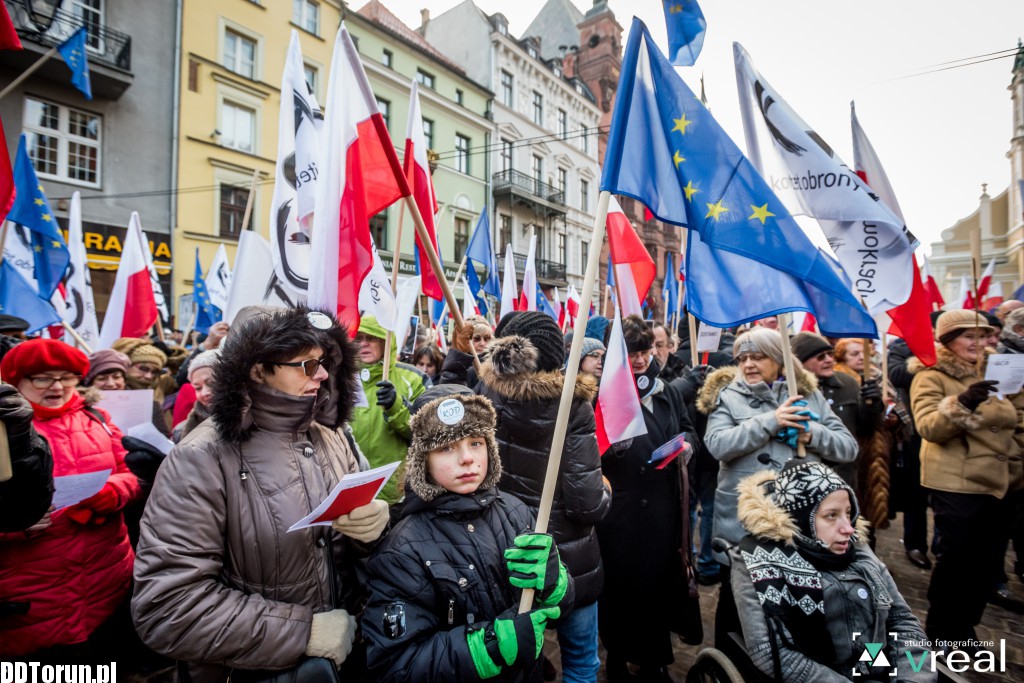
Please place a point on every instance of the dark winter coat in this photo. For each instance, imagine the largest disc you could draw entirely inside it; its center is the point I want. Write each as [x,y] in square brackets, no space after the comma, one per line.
[641,537]
[442,567]
[458,369]
[25,497]
[526,402]
[862,420]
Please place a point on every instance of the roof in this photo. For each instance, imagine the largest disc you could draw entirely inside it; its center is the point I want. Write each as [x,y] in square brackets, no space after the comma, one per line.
[555,25]
[376,12]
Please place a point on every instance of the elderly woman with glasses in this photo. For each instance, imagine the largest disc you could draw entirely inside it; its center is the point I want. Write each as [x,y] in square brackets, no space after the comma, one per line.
[67,575]
[754,425]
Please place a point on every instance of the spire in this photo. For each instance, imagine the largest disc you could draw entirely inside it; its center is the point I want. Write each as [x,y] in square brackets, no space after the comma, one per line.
[1018,63]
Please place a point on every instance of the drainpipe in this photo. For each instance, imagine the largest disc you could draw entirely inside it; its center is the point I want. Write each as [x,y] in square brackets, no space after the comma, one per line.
[175,106]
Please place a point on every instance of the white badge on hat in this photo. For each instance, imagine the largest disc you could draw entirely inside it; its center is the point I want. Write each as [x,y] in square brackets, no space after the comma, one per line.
[451,411]
[319,320]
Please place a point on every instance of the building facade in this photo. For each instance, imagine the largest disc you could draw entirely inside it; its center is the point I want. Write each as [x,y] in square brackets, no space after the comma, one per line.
[116,150]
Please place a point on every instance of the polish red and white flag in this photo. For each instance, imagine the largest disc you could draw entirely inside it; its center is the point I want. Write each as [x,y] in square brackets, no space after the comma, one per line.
[359,177]
[417,173]
[131,310]
[985,282]
[618,412]
[634,267]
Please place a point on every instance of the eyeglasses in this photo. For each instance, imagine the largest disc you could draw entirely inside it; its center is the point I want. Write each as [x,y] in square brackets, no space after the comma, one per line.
[309,367]
[633,355]
[744,357]
[360,338]
[47,381]
[823,355]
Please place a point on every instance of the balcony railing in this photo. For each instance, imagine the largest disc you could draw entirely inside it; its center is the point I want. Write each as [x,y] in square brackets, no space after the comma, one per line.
[546,270]
[103,45]
[516,181]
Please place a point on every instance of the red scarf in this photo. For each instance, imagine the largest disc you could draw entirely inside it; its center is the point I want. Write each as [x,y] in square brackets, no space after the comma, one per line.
[44,413]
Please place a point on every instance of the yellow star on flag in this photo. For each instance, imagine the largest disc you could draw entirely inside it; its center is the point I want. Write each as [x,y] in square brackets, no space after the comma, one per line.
[38,248]
[39,187]
[690,190]
[715,210]
[681,124]
[46,217]
[38,201]
[761,213]
[678,158]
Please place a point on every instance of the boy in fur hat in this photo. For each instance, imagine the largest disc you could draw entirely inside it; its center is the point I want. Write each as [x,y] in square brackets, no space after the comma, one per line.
[444,583]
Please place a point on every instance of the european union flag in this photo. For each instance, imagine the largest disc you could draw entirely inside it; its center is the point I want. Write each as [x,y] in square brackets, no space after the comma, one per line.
[693,175]
[49,251]
[686,25]
[206,313]
[73,52]
[19,299]
[481,250]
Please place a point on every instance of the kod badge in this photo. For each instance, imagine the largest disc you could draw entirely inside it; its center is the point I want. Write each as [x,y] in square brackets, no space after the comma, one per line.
[862,593]
[451,411]
[364,374]
[319,320]
[643,382]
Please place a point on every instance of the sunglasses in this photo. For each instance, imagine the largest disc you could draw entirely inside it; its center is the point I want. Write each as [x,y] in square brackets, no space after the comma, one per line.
[309,367]
[823,355]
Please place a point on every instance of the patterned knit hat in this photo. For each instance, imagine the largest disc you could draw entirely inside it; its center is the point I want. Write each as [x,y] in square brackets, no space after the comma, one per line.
[801,486]
[545,336]
[140,351]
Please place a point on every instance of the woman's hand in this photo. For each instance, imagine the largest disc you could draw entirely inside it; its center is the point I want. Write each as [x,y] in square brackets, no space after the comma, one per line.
[43,523]
[786,414]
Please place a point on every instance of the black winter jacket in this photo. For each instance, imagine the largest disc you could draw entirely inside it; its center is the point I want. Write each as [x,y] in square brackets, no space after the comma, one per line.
[25,497]
[437,575]
[526,402]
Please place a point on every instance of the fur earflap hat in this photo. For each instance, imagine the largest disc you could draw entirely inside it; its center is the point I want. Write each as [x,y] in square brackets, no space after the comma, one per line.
[444,418]
[801,486]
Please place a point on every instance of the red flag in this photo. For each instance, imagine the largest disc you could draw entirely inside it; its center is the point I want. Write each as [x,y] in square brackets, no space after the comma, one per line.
[995,297]
[572,302]
[9,39]
[6,173]
[910,321]
[131,310]
[634,267]
[934,294]
[417,171]
[360,176]
[985,281]
[618,412]
[809,324]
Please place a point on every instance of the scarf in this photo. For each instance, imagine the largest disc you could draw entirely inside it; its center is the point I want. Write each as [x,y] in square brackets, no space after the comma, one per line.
[646,382]
[43,413]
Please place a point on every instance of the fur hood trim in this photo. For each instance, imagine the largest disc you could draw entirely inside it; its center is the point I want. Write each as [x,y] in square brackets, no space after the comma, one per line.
[281,333]
[512,372]
[762,518]
[948,363]
[91,395]
[718,380]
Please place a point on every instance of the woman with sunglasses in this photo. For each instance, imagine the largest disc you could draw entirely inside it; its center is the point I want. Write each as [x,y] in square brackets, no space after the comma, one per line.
[221,584]
[753,425]
[64,578]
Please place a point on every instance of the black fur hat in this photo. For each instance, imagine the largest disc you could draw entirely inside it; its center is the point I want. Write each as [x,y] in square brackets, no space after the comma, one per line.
[277,334]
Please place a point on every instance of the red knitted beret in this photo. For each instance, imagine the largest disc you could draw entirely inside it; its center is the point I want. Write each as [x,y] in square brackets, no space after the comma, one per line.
[41,355]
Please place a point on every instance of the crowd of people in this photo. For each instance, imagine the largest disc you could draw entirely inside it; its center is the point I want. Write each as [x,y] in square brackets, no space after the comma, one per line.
[187,560]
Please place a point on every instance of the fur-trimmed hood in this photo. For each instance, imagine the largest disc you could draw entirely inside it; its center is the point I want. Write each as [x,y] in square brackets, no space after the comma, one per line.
[949,363]
[762,518]
[718,380]
[91,395]
[276,335]
[512,372]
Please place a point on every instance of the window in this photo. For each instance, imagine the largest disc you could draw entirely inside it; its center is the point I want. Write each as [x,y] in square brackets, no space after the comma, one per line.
[458,96]
[91,14]
[312,75]
[584,141]
[425,79]
[238,127]
[232,209]
[379,229]
[306,14]
[584,195]
[385,112]
[538,168]
[461,153]
[563,123]
[506,155]
[505,231]
[562,175]
[428,132]
[461,237]
[584,255]
[506,88]
[239,54]
[532,51]
[560,249]
[538,108]
[386,57]
[63,143]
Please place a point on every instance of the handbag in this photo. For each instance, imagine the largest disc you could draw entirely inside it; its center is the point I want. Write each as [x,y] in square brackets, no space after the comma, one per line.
[687,622]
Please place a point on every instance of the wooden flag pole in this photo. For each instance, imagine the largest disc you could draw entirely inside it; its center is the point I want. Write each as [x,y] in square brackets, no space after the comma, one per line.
[78,338]
[885,366]
[789,364]
[435,263]
[396,259]
[975,267]
[249,199]
[607,293]
[25,74]
[569,384]
[693,339]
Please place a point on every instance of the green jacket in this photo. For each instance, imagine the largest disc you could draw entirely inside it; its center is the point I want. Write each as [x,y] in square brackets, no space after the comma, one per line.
[384,436]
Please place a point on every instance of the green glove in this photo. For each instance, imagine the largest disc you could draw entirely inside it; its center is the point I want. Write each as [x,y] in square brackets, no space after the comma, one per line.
[513,640]
[533,563]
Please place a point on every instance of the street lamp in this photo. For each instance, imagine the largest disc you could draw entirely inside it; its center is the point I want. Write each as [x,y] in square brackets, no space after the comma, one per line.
[42,12]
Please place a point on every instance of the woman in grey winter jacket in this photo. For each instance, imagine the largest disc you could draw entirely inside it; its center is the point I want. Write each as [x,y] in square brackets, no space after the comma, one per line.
[811,594]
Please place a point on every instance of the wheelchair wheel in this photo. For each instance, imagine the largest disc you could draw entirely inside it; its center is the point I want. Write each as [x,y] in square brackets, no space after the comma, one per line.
[712,666]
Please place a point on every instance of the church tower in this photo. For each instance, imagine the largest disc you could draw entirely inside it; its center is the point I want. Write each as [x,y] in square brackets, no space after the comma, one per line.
[1016,156]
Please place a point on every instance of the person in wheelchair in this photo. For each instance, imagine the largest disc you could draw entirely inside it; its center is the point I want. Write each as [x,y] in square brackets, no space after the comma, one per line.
[815,604]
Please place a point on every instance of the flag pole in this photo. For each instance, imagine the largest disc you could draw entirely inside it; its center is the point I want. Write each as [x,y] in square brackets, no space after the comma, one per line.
[693,339]
[396,258]
[435,264]
[885,366]
[5,448]
[78,338]
[789,365]
[569,384]
[26,73]
[975,267]
[249,199]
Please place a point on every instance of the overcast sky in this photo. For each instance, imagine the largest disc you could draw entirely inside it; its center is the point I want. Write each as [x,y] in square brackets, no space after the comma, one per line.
[939,136]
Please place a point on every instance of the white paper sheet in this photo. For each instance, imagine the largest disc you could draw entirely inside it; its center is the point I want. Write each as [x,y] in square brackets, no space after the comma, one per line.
[708,338]
[74,488]
[148,433]
[128,408]
[1008,370]
[354,490]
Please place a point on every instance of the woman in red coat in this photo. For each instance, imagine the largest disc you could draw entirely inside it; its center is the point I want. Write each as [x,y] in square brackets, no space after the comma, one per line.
[65,576]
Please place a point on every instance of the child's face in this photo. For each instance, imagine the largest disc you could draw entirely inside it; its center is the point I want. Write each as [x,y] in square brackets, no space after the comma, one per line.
[460,466]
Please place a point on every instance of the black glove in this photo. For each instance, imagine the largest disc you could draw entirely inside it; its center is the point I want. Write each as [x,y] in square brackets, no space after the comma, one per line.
[15,411]
[976,394]
[142,459]
[386,395]
[871,392]
[699,374]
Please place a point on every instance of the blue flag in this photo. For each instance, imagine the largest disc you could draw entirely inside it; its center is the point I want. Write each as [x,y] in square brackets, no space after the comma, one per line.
[609,279]
[693,175]
[206,313]
[31,209]
[670,292]
[544,306]
[73,52]
[481,251]
[686,25]
[19,299]
[475,289]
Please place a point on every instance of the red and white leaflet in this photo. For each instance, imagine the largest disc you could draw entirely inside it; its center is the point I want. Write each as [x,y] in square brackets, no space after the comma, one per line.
[353,491]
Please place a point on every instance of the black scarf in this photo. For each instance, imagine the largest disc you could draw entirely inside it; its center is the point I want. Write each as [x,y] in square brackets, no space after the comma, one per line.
[645,383]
